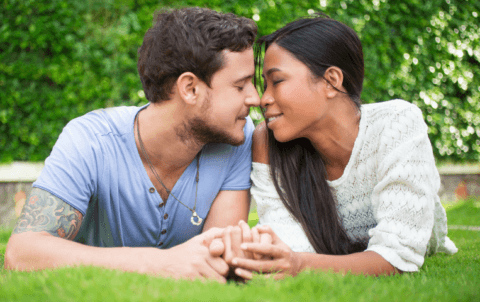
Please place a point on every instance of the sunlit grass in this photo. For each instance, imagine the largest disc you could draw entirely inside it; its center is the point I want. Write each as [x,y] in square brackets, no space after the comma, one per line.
[442,278]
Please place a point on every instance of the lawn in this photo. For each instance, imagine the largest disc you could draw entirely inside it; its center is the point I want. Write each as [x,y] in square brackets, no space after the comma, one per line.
[442,278]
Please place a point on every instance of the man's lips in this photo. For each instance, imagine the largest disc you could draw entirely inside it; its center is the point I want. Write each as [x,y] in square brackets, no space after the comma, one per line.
[242,117]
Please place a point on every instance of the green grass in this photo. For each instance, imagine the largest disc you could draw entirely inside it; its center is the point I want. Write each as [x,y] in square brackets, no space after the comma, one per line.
[464,213]
[442,278]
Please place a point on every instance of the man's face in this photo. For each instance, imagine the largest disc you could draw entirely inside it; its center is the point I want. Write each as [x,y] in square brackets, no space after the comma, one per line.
[228,101]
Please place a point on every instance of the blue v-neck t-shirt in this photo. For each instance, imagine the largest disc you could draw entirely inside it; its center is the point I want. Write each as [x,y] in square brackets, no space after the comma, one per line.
[95,167]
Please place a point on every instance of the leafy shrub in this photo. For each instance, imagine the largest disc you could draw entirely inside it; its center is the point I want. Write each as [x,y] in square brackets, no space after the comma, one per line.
[61,59]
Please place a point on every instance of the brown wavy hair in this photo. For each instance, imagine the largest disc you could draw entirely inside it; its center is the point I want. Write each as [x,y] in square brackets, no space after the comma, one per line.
[189,40]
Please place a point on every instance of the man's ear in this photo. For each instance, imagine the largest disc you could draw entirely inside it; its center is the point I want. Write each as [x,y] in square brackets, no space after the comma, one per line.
[189,87]
[334,77]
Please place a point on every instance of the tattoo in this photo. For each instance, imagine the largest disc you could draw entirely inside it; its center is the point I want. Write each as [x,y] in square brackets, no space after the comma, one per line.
[46,212]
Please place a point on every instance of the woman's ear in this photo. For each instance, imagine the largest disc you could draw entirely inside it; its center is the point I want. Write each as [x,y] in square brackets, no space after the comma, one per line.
[334,77]
[188,87]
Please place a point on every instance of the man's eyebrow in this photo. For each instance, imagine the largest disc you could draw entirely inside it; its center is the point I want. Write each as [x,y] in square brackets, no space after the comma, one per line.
[271,70]
[247,77]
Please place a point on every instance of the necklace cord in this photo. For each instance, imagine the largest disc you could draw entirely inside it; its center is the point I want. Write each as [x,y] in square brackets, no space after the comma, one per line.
[197,178]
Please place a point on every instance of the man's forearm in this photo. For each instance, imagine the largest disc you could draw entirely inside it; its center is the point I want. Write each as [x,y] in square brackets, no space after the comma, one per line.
[189,260]
[40,250]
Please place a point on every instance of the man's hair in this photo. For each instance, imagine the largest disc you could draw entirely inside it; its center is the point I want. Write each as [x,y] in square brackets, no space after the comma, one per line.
[189,40]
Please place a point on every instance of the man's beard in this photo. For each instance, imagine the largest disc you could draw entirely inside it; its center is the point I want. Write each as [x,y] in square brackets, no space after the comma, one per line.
[199,131]
[204,133]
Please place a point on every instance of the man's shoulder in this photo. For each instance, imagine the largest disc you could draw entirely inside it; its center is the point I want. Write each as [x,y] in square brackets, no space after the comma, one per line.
[113,120]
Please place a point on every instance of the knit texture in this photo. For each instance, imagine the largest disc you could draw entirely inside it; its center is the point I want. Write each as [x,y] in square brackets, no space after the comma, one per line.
[387,195]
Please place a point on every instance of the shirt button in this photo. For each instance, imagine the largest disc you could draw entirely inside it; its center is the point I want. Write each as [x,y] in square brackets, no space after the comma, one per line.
[160,244]
[151,190]
[161,204]
[165,216]
[164,231]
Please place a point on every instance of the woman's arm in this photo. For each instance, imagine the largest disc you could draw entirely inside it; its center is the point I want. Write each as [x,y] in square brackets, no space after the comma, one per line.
[286,262]
[260,144]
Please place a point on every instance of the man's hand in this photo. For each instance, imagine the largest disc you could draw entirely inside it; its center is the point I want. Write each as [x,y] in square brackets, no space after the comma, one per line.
[193,259]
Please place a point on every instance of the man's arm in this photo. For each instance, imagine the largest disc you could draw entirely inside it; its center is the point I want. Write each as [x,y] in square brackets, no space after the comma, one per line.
[228,208]
[46,212]
[39,241]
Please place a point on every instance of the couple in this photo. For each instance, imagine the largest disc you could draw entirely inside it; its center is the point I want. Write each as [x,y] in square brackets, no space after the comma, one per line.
[164,189]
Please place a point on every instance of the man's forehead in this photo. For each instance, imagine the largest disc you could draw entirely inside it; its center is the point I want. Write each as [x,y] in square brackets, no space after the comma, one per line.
[238,65]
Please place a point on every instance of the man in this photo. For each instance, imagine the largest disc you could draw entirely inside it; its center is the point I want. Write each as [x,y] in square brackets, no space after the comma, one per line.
[143,183]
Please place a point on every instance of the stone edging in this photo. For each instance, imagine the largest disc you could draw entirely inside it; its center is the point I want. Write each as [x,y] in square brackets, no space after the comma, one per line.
[464,227]
[29,171]
[20,171]
[458,169]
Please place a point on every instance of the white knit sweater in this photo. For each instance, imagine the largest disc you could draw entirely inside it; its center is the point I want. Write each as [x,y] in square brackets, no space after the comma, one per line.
[387,195]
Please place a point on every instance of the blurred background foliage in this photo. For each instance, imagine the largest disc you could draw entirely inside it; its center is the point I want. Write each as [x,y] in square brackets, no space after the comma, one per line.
[61,59]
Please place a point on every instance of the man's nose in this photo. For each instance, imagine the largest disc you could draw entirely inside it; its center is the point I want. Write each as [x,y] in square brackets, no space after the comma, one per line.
[254,99]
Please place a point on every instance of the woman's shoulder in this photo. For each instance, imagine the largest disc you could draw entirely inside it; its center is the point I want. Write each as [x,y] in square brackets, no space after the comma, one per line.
[389,113]
[392,107]
[260,144]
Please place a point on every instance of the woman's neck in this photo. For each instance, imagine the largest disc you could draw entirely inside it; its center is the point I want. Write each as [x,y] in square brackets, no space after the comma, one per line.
[335,137]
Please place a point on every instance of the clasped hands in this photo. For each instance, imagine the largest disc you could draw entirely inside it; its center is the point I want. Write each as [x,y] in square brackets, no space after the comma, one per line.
[258,250]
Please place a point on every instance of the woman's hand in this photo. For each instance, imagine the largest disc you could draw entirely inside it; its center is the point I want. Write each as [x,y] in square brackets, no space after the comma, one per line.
[228,246]
[277,259]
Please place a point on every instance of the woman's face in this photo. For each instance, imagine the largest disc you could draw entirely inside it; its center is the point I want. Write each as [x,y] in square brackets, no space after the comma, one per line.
[294,101]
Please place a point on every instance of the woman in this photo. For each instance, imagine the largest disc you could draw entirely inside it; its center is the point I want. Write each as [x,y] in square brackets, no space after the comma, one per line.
[338,185]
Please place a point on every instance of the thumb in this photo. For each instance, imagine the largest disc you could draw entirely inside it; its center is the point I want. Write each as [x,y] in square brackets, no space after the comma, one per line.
[266,229]
[210,235]
[217,248]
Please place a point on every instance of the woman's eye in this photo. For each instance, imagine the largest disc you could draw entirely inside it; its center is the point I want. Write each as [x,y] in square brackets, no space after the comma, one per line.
[240,88]
[276,82]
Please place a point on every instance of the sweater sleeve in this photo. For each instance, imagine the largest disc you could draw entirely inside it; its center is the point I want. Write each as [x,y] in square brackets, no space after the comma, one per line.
[271,210]
[404,198]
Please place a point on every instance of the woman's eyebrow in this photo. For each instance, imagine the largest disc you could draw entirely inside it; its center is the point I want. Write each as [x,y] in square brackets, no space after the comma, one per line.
[271,70]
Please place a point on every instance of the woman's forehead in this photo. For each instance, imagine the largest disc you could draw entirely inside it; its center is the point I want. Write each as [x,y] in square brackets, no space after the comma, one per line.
[278,58]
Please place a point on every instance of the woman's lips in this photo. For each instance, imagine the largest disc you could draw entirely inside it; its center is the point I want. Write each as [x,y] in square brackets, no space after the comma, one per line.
[273,118]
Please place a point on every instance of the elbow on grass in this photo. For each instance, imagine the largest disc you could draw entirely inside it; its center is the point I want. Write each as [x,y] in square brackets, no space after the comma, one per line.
[13,257]
[10,261]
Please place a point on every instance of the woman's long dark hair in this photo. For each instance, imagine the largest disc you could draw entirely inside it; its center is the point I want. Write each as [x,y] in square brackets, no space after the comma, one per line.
[297,168]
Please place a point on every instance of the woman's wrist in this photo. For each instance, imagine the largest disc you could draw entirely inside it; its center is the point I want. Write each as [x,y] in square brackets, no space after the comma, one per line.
[298,263]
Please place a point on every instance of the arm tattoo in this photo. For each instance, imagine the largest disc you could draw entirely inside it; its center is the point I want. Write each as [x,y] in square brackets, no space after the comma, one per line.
[46,212]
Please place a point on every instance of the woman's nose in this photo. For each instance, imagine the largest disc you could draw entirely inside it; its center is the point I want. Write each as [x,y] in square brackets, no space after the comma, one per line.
[266,99]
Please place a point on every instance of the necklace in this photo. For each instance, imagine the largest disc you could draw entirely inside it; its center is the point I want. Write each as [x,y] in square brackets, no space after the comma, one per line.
[198,220]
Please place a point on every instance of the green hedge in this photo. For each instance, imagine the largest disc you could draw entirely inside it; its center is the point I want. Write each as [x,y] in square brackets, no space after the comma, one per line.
[61,59]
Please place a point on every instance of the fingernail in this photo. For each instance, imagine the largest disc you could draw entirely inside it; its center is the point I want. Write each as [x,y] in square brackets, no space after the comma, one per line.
[241,221]
[234,261]
[238,272]
[243,246]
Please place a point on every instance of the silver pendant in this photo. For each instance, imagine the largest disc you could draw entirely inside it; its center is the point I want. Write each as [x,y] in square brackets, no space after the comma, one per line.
[192,219]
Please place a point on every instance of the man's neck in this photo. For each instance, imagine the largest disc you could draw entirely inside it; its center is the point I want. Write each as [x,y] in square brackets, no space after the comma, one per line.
[165,149]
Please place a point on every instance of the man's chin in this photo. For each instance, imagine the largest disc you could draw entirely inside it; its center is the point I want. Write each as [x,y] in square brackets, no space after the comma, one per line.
[230,140]
[238,142]
[202,132]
